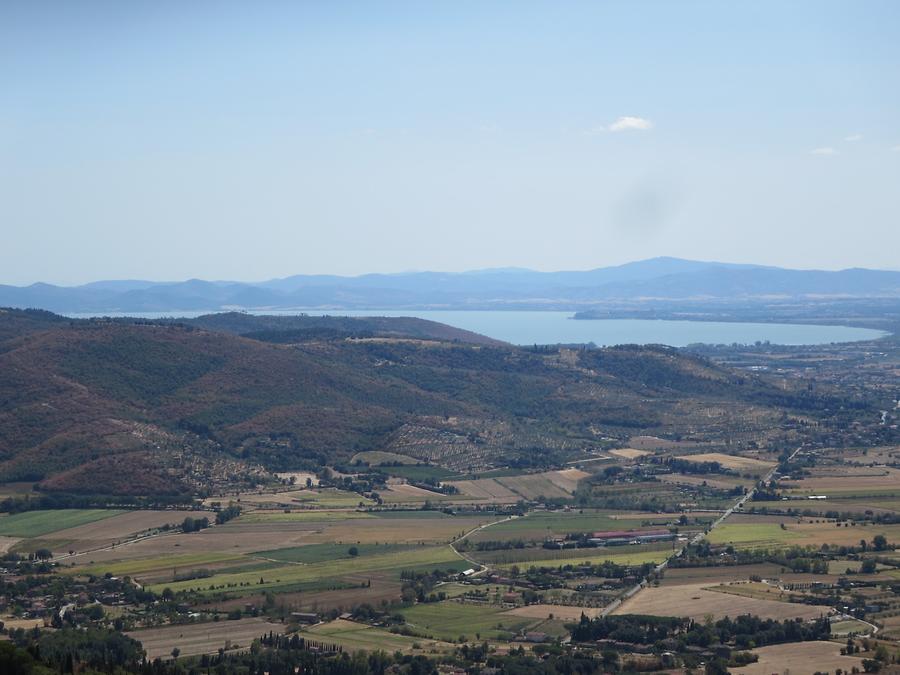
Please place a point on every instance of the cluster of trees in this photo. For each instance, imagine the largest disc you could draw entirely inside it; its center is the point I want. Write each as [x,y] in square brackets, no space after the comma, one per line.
[419,586]
[194,524]
[70,650]
[228,513]
[59,500]
[744,631]
[795,558]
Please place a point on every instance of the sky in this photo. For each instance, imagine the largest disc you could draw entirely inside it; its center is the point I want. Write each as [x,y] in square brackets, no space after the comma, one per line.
[170,140]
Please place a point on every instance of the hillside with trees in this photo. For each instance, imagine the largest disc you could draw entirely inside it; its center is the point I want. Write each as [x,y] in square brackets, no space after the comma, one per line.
[175,404]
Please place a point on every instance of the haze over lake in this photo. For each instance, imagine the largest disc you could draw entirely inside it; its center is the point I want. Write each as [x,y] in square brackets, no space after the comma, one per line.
[547,327]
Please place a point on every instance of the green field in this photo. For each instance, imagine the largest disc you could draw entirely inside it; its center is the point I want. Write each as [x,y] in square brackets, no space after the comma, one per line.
[450,620]
[414,514]
[335,499]
[538,526]
[844,628]
[39,523]
[162,562]
[526,556]
[314,553]
[378,457]
[619,557]
[752,535]
[300,516]
[361,637]
[419,558]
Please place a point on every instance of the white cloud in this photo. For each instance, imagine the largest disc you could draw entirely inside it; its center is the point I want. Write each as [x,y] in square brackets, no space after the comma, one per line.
[823,151]
[852,138]
[896,148]
[629,123]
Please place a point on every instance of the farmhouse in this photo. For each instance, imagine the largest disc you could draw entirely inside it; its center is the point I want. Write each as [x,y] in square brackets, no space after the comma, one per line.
[305,617]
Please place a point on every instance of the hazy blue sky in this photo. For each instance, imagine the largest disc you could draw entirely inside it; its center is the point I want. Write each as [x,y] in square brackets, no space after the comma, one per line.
[168,140]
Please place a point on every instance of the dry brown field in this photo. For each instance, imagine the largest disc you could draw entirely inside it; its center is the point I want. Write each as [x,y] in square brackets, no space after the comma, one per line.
[403,493]
[567,479]
[696,602]
[237,539]
[510,489]
[487,489]
[383,587]
[202,638]
[564,612]
[7,543]
[753,518]
[266,499]
[802,532]
[535,485]
[735,462]
[801,658]
[872,456]
[677,576]
[629,453]
[853,480]
[116,529]
[11,623]
[758,590]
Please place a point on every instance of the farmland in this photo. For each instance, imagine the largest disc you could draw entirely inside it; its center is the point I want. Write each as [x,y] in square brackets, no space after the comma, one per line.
[304,498]
[790,532]
[698,600]
[539,525]
[292,575]
[452,619]
[734,462]
[629,453]
[318,522]
[39,523]
[803,657]
[354,636]
[203,638]
[597,556]
[509,489]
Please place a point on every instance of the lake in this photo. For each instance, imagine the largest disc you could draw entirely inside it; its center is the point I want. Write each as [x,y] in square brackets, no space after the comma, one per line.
[536,327]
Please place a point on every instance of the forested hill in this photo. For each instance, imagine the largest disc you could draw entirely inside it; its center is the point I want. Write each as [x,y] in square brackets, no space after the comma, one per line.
[298,328]
[140,408]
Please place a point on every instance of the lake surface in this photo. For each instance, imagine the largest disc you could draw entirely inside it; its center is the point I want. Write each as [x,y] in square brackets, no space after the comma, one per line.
[535,327]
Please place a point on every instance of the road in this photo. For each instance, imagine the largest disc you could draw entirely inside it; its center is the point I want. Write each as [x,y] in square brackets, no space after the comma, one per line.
[462,555]
[739,504]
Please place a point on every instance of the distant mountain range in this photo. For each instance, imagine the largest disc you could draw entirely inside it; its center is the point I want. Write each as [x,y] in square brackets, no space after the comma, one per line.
[644,282]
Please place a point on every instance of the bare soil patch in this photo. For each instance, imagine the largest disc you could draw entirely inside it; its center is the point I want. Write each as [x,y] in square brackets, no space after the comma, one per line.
[487,489]
[800,657]
[7,543]
[736,462]
[118,528]
[694,601]
[629,453]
